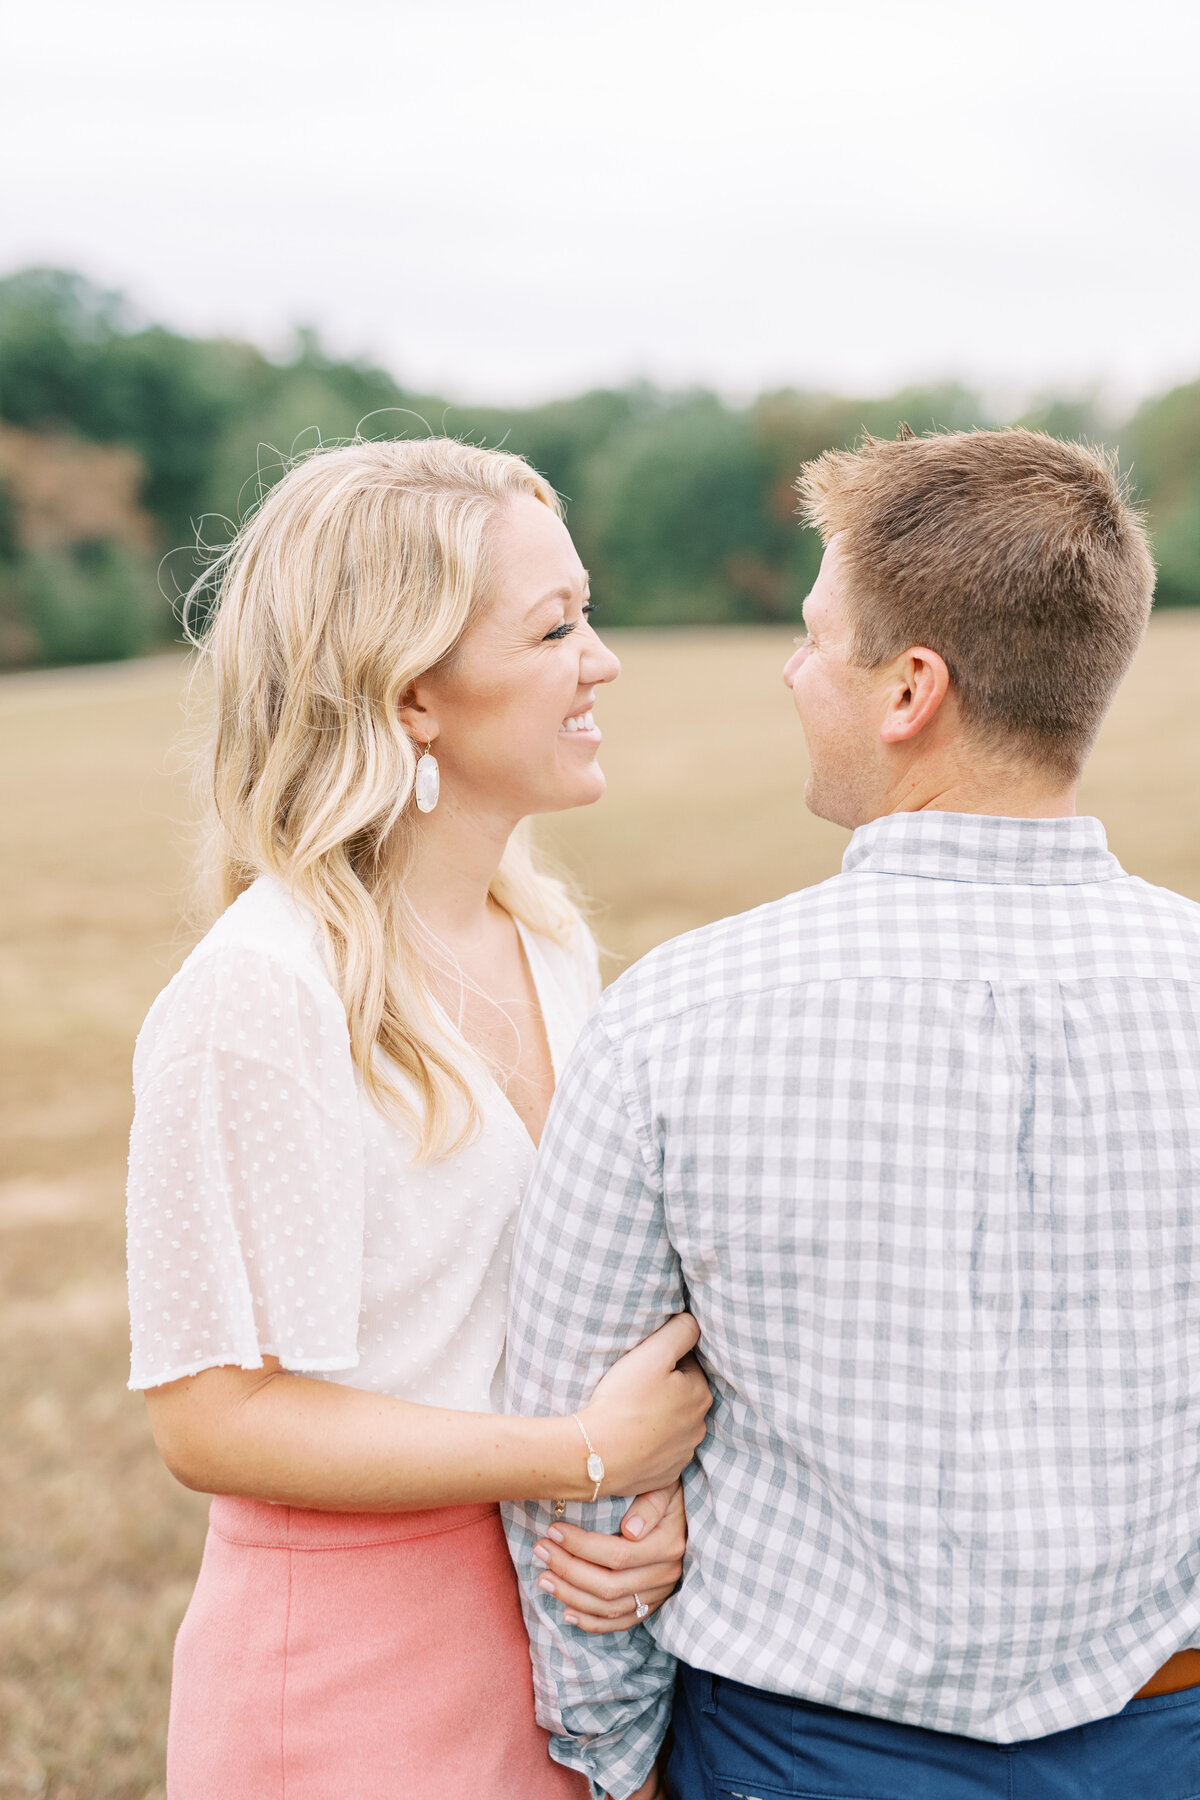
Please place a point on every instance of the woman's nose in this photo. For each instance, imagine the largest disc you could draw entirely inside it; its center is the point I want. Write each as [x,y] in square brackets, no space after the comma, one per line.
[599,665]
[791,665]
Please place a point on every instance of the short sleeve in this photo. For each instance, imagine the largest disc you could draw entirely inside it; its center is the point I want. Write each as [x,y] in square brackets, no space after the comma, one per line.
[245,1195]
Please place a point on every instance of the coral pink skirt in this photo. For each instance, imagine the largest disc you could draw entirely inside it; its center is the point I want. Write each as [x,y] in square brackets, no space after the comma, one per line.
[356,1656]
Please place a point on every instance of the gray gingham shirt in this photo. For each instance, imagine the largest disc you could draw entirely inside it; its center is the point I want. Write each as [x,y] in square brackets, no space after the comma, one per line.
[920,1148]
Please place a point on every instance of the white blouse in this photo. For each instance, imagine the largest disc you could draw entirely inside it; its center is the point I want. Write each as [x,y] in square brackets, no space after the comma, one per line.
[273,1210]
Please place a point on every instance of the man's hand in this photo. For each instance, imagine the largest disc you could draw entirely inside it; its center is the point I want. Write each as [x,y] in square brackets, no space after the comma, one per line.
[596,1574]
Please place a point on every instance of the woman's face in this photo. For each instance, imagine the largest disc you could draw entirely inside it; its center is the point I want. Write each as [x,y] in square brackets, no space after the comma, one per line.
[510,712]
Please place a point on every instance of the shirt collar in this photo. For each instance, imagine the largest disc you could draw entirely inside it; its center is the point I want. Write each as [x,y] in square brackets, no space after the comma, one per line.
[978,847]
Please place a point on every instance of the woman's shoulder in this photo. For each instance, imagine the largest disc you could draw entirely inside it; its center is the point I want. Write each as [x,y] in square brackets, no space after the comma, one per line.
[263,952]
[266,920]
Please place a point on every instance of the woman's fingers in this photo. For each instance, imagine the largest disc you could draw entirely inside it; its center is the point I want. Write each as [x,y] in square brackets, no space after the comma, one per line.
[595,1616]
[602,1547]
[606,1585]
[647,1512]
[673,1340]
[669,1536]
[665,1541]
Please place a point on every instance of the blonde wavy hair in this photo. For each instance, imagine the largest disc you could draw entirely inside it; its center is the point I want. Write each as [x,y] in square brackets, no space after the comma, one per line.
[356,574]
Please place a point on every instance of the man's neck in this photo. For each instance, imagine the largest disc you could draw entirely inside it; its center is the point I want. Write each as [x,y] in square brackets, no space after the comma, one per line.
[999,793]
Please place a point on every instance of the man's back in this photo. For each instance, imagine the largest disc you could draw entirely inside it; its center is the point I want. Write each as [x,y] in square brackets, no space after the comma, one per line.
[920,1148]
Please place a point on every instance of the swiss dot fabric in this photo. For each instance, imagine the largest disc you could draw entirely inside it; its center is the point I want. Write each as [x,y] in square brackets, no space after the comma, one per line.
[920,1148]
[272,1209]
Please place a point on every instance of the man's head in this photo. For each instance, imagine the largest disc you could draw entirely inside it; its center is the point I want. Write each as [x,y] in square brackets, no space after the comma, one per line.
[981,597]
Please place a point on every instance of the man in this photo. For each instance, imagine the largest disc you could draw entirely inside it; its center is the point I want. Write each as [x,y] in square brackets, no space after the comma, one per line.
[920,1148]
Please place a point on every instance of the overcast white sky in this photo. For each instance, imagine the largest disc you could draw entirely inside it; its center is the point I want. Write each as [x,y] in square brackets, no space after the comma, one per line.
[507,201]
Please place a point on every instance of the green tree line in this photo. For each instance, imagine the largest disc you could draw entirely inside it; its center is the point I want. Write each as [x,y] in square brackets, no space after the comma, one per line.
[681,502]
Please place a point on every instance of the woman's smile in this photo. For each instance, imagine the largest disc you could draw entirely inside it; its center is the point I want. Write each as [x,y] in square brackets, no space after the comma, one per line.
[581,725]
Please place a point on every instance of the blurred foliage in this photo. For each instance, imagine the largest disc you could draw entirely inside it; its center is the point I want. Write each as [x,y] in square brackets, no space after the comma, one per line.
[8,526]
[681,503]
[670,520]
[94,602]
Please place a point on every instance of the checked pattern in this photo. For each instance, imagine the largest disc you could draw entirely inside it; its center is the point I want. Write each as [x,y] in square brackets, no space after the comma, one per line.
[920,1148]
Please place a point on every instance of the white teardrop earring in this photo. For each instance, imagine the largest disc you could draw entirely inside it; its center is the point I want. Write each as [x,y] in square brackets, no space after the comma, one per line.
[429,781]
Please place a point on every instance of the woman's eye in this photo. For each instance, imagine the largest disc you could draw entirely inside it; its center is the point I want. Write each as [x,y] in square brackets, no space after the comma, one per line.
[567,626]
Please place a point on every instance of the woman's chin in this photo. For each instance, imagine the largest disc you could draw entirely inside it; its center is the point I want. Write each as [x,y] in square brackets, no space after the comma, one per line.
[583,788]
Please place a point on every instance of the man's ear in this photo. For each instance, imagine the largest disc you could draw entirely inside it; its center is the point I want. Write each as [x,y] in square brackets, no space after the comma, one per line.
[917,687]
[417,715]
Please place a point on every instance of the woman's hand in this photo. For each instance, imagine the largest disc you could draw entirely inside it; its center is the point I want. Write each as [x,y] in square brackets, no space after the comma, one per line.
[599,1577]
[647,1413]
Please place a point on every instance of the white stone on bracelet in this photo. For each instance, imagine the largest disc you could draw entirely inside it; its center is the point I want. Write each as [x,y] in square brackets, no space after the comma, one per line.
[595,1467]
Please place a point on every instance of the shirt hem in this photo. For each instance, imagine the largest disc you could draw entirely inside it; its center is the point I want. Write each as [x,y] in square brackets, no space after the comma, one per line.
[1064,1707]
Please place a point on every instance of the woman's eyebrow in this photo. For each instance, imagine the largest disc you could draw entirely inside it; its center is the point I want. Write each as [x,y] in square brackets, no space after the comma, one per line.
[558,593]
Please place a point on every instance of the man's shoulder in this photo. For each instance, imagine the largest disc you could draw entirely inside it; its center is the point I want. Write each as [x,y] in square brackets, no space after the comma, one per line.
[1165,903]
[878,925]
[769,947]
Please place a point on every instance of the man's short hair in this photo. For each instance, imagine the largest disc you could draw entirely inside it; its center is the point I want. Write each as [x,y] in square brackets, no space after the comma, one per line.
[1015,556]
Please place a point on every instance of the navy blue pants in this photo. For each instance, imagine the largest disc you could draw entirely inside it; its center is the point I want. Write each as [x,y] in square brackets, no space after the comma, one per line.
[737,1743]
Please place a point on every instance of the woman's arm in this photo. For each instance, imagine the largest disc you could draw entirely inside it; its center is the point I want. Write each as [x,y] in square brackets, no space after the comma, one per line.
[269,1435]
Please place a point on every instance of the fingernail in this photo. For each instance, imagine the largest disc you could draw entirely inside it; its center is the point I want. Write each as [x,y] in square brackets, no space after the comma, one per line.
[556,1534]
[571,1618]
[541,1552]
[546,1585]
[634,1527]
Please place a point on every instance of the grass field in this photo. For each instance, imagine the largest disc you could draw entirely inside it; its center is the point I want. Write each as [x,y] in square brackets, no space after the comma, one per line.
[704,816]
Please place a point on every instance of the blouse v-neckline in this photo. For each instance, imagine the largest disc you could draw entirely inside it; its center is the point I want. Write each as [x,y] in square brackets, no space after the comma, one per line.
[536,974]
[539,975]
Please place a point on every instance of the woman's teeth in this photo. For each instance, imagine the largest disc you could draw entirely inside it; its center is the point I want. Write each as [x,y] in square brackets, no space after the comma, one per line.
[581,722]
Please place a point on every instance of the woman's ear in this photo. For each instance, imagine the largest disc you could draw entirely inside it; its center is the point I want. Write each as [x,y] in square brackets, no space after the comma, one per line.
[919,684]
[417,715]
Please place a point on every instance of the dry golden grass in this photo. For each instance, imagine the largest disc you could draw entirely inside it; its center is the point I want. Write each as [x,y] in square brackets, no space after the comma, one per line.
[704,817]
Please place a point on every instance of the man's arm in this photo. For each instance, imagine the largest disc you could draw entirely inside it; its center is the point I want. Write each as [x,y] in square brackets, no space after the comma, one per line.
[593,1273]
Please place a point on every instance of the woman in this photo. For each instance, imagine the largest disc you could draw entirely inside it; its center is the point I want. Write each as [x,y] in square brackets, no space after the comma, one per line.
[338,1099]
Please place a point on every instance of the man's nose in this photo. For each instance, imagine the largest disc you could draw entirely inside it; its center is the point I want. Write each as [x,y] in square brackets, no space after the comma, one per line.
[790,667]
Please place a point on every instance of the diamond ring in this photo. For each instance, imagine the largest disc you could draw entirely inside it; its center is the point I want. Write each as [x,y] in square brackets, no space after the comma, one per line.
[640,1608]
